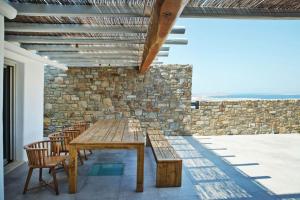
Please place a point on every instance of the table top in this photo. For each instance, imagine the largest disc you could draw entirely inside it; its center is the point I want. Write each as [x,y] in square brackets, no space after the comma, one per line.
[112,131]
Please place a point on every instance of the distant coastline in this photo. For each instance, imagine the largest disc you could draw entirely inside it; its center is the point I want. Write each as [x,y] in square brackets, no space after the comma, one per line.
[237,97]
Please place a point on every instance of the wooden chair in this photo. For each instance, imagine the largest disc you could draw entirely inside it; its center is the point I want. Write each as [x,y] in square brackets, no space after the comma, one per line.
[82,126]
[42,155]
[69,135]
[59,143]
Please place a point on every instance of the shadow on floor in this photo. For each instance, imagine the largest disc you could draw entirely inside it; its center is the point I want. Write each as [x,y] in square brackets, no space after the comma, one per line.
[205,176]
[215,178]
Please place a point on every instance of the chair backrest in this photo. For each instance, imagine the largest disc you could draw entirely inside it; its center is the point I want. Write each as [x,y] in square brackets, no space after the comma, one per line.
[82,126]
[58,143]
[37,151]
[70,134]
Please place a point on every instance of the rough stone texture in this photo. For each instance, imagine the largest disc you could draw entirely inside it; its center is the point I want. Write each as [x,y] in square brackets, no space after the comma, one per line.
[161,97]
[246,117]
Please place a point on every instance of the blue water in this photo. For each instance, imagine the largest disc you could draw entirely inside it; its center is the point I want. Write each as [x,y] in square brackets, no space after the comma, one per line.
[257,96]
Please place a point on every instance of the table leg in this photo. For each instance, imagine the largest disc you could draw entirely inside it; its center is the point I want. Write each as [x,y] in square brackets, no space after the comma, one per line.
[73,169]
[140,169]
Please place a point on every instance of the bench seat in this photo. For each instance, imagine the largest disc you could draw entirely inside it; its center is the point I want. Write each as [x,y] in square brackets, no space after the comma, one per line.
[169,164]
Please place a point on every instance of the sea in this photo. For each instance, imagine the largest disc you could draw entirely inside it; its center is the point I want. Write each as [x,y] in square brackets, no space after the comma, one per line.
[247,96]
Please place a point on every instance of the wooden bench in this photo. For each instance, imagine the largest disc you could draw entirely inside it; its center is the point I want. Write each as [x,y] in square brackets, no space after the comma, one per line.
[169,164]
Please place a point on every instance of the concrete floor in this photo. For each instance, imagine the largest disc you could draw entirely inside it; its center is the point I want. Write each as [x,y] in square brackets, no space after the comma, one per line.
[271,160]
[221,167]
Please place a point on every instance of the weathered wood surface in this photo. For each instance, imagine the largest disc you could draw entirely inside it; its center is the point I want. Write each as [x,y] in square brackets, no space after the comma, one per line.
[111,131]
[164,15]
[169,164]
[43,154]
[110,134]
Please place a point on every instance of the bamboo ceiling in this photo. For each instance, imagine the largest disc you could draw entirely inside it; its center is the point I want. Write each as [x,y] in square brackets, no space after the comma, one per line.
[120,24]
[139,21]
[262,4]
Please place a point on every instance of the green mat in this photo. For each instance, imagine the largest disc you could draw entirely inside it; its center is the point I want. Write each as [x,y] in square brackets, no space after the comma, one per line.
[107,169]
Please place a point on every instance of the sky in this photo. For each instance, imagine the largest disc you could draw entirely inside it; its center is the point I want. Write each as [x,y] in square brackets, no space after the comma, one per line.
[240,56]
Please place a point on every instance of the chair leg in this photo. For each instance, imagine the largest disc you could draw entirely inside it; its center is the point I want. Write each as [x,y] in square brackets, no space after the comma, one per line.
[41,174]
[85,157]
[65,167]
[80,158]
[27,180]
[54,181]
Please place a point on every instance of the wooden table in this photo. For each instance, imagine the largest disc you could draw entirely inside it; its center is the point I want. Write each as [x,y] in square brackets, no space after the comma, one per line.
[109,134]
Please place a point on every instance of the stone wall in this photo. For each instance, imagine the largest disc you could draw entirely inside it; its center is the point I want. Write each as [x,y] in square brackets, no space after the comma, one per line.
[246,117]
[161,97]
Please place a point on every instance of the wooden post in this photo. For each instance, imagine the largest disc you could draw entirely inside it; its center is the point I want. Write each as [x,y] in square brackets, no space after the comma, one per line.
[140,168]
[73,169]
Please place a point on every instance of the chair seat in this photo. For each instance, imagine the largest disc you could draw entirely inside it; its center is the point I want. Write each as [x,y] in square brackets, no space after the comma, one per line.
[52,161]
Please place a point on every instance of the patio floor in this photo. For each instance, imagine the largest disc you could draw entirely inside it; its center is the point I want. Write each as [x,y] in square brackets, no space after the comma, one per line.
[219,167]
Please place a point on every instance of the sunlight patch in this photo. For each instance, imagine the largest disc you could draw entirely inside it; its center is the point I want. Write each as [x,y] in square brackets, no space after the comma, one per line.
[220,190]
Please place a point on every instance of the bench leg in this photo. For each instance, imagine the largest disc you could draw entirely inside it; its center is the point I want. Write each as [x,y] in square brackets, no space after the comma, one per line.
[168,174]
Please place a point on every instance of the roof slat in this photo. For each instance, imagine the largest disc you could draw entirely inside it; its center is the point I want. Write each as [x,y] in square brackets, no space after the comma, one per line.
[239,13]
[76,40]
[29,9]
[45,47]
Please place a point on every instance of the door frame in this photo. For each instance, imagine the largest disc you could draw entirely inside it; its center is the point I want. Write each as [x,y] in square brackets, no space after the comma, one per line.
[12,150]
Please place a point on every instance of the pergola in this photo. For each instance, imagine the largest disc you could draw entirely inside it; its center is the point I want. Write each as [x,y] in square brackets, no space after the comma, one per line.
[122,33]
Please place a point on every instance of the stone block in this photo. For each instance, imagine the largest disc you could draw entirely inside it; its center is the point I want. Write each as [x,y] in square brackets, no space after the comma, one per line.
[104,84]
[107,102]
[138,112]
[83,104]
[58,80]
[48,106]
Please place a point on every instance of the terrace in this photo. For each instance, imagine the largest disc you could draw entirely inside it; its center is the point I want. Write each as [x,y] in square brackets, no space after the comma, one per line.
[67,62]
[214,168]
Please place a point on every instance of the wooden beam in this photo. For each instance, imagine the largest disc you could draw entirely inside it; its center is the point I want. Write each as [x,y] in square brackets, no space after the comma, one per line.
[64,40]
[62,47]
[68,47]
[74,40]
[164,15]
[98,61]
[91,54]
[7,10]
[239,13]
[83,59]
[71,28]
[16,50]
[28,9]
[95,64]
[78,28]
[87,52]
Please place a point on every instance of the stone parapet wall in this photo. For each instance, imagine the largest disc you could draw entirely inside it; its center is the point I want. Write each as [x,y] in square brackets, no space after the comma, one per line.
[161,97]
[246,117]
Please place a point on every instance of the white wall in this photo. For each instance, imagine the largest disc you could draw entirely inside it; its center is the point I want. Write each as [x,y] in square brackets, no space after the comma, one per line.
[29,100]
[1,106]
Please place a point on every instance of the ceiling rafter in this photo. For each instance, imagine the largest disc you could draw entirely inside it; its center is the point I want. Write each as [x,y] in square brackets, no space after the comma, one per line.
[164,15]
